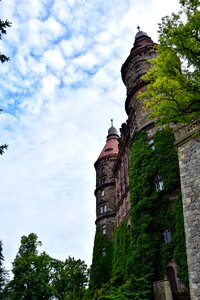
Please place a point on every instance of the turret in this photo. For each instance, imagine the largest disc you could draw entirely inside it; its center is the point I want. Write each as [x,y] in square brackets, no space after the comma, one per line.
[105,183]
[132,70]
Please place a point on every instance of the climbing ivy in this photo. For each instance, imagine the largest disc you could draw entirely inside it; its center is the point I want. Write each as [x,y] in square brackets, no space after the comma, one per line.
[121,251]
[152,213]
[139,254]
[101,267]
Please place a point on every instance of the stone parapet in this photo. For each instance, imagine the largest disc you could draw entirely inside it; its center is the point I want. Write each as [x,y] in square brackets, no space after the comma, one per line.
[184,133]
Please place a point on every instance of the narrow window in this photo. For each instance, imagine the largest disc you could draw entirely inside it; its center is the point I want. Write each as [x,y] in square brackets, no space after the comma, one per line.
[104,252]
[104,229]
[103,180]
[159,183]
[167,236]
[102,193]
[103,209]
[137,68]
[151,144]
[102,171]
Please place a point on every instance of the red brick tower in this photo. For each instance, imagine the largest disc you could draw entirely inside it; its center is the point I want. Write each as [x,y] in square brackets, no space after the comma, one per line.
[105,183]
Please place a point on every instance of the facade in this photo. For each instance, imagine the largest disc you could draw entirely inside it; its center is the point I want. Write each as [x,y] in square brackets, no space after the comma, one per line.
[112,166]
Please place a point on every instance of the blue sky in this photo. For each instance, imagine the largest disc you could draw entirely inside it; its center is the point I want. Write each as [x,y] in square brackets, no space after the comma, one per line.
[59,91]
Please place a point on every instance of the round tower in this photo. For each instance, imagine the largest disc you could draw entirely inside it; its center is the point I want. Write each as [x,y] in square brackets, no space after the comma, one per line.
[105,183]
[132,70]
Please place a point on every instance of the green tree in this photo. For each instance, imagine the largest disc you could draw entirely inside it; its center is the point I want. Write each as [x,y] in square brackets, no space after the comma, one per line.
[174,78]
[1,268]
[3,26]
[70,279]
[3,272]
[32,272]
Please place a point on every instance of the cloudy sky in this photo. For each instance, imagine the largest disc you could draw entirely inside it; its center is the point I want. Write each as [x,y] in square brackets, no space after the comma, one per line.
[58,92]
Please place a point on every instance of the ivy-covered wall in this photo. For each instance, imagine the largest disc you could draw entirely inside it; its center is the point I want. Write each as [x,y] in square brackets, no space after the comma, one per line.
[154,174]
[101,267]
[139,252]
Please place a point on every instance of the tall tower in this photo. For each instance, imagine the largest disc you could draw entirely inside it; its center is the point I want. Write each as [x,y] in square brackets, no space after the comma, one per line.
[105,183]
[132,70]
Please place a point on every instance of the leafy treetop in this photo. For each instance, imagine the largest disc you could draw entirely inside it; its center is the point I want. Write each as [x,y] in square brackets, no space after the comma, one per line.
[173,92]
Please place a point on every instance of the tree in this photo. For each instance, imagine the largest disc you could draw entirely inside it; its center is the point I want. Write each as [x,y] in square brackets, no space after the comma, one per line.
[3,26]
[37,276]
[3,273]
[173,92]
[32,272]
[70,279]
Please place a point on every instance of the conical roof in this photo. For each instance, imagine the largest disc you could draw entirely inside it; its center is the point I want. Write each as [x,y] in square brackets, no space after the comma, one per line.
[111,146]
[141,39]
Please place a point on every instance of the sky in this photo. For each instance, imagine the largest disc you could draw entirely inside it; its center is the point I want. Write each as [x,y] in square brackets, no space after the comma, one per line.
[58,93]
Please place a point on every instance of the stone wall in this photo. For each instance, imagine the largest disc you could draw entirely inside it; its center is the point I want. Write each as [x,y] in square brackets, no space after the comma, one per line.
[188,144]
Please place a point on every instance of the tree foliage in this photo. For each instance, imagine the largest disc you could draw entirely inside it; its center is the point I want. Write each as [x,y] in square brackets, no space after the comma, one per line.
[31,271]
[173,92]
[3,272]
[37,276]
[70,279]
[3,26]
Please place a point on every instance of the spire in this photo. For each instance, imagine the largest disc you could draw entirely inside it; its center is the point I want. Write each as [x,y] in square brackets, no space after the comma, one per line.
[111,146]
[141,37]
[112,130]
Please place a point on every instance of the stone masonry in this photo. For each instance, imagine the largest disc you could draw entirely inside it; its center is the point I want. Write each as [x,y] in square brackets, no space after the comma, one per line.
[188,144]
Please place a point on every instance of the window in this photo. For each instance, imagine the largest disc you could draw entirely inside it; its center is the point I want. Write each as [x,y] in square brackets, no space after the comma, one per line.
[151,144]
[167,236]
[104,229]
[103,180]
[102,170]
[137,68]
[159,183]
[103,209]
[102,193]
[104,252]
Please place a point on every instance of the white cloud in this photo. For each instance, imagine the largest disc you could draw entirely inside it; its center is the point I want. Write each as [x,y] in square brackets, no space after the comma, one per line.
[59,91]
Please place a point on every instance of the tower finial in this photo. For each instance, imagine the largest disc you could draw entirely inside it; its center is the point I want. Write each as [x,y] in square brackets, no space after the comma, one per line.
[138,27]
[111,122]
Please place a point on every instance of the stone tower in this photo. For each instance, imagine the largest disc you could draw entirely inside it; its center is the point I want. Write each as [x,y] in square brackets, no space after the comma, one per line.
[105,183]
[132,70]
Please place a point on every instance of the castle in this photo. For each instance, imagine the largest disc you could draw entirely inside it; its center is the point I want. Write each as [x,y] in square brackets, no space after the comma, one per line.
[113,192]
